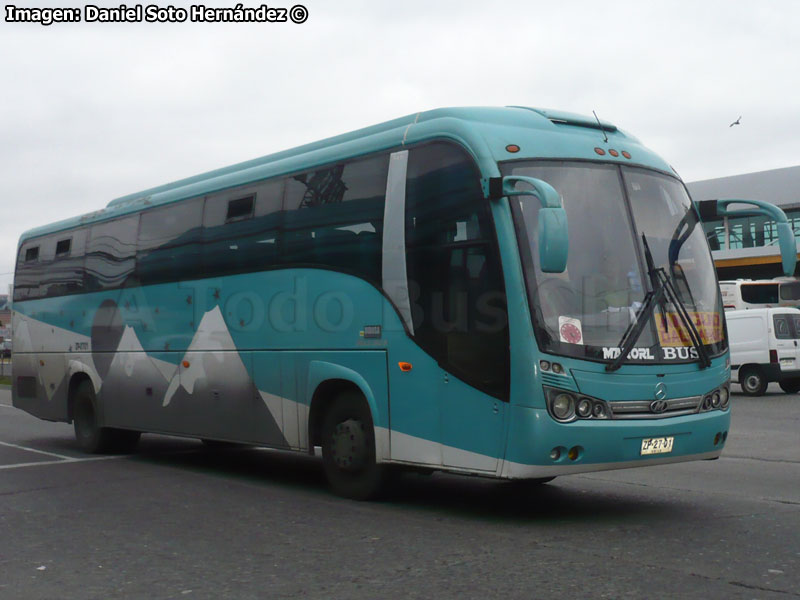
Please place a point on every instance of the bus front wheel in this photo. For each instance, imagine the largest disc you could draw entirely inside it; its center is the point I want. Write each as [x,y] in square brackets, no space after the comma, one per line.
[348,449]
[90,436]
[753,382]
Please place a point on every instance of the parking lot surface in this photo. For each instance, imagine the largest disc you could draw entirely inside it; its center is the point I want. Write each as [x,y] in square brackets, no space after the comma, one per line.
[178,520]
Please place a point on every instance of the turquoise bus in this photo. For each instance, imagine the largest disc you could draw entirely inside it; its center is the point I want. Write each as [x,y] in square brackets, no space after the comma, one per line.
[507,292]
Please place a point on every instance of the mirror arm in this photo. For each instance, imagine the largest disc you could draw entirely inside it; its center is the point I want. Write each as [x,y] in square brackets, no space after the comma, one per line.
[786,238]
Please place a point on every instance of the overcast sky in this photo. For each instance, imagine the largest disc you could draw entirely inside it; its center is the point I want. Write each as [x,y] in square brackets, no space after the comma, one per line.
[91,112]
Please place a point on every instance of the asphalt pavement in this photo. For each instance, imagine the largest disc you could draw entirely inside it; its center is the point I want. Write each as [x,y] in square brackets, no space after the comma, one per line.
[178,520]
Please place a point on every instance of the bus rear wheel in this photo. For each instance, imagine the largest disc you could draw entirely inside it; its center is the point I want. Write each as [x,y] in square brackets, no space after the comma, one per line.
[348,449]
[753,382]
[90,436]
[790,386]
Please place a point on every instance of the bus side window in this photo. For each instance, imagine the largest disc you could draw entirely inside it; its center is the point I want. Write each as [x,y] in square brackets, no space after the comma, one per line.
[65,274]
[27,278]
[111,254]
[454,274]
[240,229]
[168,247]
[333,217]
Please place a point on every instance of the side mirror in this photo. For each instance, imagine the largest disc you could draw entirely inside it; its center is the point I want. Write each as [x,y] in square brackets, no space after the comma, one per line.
[786,239]
[553,232]
[788,247]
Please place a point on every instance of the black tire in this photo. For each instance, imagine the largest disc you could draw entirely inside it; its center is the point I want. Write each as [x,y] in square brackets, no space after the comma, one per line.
[752,381]
[348,449]
[92,438]
[790,386]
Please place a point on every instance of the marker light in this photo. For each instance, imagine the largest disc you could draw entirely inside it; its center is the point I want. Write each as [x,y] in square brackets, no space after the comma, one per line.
[613,153]
[600,151]
[626,154]
[563,406]
[513,148]
[186,364]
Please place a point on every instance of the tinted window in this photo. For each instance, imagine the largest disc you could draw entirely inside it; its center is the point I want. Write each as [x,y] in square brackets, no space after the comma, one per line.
[62,247]
[65,273]
[783,330]
[240,208]
[334,217]
[760,293]
[54,268]
[111,253]
[455,279]
[790,290]
[27,277]
[169,243]
[241,229]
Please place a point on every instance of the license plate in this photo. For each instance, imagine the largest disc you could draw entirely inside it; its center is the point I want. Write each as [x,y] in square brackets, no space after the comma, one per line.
[660,445]
[787,361]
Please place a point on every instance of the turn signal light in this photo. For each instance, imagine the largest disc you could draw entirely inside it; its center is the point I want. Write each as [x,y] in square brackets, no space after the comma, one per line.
[186,364]
[405,366]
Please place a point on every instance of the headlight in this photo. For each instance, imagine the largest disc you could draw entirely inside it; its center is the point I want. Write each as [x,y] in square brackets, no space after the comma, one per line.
[584,408]
[563,406]
[724,397]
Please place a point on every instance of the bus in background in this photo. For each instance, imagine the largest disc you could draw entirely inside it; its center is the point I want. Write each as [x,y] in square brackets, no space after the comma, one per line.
[507,292]
[742,294]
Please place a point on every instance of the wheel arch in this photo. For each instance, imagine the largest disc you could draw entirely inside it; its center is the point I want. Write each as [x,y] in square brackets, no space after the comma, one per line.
[328,380]
[75,380]
[744,368]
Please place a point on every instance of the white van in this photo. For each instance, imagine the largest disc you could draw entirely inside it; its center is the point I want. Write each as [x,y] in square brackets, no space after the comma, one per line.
[765,346]
[760,293]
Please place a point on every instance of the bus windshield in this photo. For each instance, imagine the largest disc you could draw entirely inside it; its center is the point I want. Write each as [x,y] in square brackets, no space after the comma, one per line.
[624,225]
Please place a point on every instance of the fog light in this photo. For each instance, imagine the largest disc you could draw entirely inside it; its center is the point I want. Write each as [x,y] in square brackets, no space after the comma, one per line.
[555,454]
[574,452]
[557,368]
[544,365]
[584,408]
[717,438]
[563,406]
[725,436]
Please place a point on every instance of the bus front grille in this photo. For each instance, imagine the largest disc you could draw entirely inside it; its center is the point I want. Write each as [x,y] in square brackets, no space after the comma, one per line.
[654,409]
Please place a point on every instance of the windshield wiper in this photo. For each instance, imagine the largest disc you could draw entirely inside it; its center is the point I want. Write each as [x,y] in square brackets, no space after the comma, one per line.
[663,289]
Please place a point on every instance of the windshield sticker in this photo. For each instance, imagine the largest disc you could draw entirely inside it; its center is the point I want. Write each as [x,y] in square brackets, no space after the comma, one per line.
[708,324]
[570,330]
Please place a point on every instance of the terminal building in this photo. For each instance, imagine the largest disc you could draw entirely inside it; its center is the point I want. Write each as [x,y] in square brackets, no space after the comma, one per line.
[747,247]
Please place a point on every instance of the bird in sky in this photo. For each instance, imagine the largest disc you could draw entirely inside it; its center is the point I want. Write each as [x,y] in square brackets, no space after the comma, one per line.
[736,122]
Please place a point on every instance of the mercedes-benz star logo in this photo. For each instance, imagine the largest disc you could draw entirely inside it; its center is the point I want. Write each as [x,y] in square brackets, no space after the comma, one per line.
[660,391]
[658,406]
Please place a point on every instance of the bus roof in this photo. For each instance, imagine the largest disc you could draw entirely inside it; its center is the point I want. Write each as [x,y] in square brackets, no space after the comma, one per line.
[484,132]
